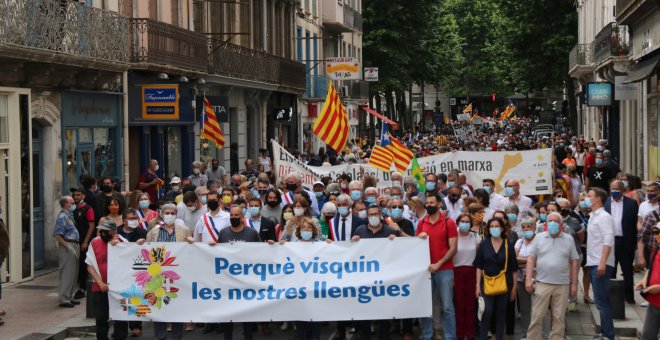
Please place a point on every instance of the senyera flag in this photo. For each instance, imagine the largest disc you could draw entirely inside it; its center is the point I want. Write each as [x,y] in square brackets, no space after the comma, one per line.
[210,126]
[331,126]
[381,156]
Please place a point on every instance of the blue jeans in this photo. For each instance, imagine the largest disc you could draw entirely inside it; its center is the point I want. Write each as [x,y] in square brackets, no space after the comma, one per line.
[602,298]
[443,283]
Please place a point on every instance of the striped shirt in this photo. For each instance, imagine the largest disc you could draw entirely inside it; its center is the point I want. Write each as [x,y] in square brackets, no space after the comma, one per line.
[164,236]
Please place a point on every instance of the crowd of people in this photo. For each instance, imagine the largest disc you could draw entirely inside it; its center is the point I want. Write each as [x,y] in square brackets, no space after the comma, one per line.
[516,256]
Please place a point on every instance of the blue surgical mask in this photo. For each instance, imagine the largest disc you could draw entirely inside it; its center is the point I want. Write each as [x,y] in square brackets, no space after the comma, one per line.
[371,200]
[144,204]
[625,184]
[430,186]
[496,232]
[508,191]
[543,217]
[343,211]
[616,194]
[318,194]
[464,227]
[450,184]
[255,193]
[527,234]
[244,211]
[487,188]
[512,217]
[553,227]
[203,199]
[356,195]
[397,213]
[254,211]
[586,203]
[72,208]
[306,235]
[385,211]
[599,161]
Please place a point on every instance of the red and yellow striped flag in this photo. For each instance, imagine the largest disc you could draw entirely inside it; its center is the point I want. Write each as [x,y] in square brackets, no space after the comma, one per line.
[331,126]
[211,127]
[381,158]
[401,154]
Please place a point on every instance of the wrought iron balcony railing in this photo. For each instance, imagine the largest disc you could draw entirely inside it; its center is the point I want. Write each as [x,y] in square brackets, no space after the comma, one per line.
[317,87]
[154,42]
[580,56]
[231,60]
[64,27]
[612,41]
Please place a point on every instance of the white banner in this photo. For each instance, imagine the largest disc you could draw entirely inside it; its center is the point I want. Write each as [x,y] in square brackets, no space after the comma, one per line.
[532,168]
[243,282]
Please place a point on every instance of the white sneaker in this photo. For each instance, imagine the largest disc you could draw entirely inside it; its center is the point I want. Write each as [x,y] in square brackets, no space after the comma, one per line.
[644,304]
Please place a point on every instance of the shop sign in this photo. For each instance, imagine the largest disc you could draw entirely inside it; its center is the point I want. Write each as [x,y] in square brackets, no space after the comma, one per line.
[160,102]
[342,68]
[599,94]
[371,73]
[624,91]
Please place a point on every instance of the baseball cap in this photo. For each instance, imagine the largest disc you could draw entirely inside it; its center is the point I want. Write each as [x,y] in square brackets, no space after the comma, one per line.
[175,180]
[108,225]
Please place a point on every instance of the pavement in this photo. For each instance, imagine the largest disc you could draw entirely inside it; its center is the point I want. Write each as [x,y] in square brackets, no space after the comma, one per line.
[33,313]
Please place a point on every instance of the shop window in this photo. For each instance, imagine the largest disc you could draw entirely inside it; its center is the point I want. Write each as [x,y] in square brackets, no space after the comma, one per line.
[174,152]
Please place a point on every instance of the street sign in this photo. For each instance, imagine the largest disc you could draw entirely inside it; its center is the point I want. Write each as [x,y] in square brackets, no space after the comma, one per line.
[371,73]
[342,68]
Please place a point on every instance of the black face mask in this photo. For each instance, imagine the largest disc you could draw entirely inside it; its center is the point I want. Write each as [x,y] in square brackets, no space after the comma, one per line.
[291,187]
[212,204]
[106,189]
[235,185]
[262,192]
[117,187]
[431,210]
[215,167]
[453,199]
[272,204]
[105,236]
[235,222]
[564,212]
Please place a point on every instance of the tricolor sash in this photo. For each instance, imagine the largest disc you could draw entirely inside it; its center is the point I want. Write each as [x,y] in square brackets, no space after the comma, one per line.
[215,234]
[144,223]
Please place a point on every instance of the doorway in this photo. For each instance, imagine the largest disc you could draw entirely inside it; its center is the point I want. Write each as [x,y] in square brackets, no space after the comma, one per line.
[37,196]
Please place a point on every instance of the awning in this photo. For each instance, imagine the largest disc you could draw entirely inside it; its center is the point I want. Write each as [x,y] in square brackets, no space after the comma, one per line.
[642,69]
[385,119]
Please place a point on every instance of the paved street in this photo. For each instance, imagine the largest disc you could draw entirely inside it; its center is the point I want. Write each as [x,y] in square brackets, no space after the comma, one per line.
[32,313]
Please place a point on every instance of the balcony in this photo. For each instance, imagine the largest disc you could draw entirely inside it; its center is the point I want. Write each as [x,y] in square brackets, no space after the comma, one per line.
[158,46]
[340,18]
[580,61]
[628,12]
[63,32]
[317,87]
[612,41]
[245,64]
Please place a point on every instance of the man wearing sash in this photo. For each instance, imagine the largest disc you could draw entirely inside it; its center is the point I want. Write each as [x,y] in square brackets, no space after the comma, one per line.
[293,183]
[208,226]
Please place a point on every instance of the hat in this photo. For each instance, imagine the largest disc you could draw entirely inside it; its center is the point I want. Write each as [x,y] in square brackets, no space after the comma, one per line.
[175,180]
[116,179]
[108,225]
[319,182]
[77,189]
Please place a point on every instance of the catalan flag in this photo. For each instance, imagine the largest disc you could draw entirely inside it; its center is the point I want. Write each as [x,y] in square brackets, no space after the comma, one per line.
[331,126]
[474,116]
[401,155]
[381,156]
[508,110]
[211,127]
[442,140]
[468,109]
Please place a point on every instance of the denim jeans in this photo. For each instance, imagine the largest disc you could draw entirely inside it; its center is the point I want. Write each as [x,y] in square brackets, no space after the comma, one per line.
[602,298]
[443,283]
[160,331]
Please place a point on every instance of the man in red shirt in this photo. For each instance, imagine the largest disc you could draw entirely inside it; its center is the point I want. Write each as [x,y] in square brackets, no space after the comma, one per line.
[97,267]
[650,290]
[443,239]
[149,181]
[589,160]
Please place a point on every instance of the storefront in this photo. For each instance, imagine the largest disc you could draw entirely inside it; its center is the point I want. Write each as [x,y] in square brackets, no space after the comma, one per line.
[282,121]
[91,136]
[161,126]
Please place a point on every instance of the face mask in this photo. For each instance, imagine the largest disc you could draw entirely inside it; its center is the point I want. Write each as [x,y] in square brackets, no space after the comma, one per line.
[431,210]
[105,236]
[106,189]
[553,227]
[599,161]
[397,213]
[234,184]
[117,187]
[650,197]
[291,187]
[262,192]
[496,232]
[343,185]
[587,203]
[453,199]
[599,148]
[328,217]
[235,222]
[196,171]
[191,209]
[298,211]
[133,224]
[287,215]
[527,234]
[508,191]
[215,167]
[226,199]
[272,204]
[362,214]
[616,195]
[487,189]
[318,194]
[113,210]
[213,205]
[464,227]
[374,221]
[371,200]
[175,188]
[512,217]
[450,184]
[385,212]
[543,217]
[625,184]
[72,208]
[169,219]
[430,186]
[561,145]
[564,212]
[306,235]
[356,195]
[478,218]
[144,204]
[202,199]
[244,211]
[254,211]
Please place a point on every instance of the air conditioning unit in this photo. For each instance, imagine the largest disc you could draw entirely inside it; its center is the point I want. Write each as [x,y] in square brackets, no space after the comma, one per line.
[344,91]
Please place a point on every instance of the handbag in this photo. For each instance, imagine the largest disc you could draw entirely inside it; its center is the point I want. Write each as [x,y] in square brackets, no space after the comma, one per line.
[496,285]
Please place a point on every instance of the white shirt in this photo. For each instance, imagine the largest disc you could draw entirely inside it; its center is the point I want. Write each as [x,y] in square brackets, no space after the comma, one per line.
[454,210]
[221,220]
[617,215]
[466,250]
[646,208]
[349,227]
[190,218]
[601,233]
[254,223]
[523,203]
[497,201]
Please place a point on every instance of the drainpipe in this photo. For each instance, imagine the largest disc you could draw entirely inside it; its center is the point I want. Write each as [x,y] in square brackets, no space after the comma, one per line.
[125,152]
[265,27]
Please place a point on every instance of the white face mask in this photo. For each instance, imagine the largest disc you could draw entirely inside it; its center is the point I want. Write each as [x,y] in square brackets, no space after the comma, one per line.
[374,221]
[196,171]
[133,224]
[191,209]
[298,211]
[362,214]
[156,168]
[169,219]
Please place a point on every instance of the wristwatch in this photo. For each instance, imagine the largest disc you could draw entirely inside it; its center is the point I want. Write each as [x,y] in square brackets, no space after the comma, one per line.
[398,232]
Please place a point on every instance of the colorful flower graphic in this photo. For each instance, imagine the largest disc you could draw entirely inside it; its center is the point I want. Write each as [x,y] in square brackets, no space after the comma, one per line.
[156,259]
[134,302]
[159,291]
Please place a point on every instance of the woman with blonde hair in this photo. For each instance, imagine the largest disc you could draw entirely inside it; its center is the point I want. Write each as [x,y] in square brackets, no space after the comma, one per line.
[301,212]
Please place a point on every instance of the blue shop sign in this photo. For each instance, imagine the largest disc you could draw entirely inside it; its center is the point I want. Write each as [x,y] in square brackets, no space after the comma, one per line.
[600,94]
[160,102]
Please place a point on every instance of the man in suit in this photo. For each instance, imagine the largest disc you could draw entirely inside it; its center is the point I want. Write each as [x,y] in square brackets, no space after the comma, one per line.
[624,213]
[264,226]
[345,223]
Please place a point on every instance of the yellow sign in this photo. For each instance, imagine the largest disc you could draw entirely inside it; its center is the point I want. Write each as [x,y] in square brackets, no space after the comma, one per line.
[342,68]
[160,102]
